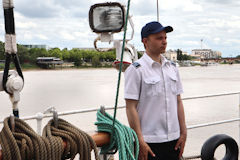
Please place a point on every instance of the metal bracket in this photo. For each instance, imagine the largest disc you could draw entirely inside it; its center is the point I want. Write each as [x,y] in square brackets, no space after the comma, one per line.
[55,115]
[102,110]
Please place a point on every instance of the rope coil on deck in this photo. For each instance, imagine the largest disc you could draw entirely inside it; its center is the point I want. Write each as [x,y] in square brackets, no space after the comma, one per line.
[77,141]
[23,143]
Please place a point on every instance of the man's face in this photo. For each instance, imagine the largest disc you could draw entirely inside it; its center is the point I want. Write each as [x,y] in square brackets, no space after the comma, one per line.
[156,43]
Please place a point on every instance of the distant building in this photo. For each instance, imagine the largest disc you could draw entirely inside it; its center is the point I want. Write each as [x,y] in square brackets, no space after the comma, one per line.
[197,58]
[171,55]
[218,53]
[206,53]
[49,62]
[90,49]
[184,53]
[35,46]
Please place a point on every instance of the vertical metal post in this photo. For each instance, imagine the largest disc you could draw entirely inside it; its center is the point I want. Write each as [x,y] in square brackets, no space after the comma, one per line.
[157,12]
[39,122]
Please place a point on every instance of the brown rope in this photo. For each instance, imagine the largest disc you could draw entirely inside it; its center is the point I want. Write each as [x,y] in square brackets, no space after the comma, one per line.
[23,143]
[78,142]
[56,143]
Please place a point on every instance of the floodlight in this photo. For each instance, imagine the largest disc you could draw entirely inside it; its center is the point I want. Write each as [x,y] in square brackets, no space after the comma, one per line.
[106,17]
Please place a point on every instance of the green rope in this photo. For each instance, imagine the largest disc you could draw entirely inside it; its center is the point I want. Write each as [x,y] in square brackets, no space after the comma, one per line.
[122,138]
[120,67]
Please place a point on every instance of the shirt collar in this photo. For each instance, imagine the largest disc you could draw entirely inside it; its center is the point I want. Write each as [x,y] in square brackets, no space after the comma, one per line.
[150,61]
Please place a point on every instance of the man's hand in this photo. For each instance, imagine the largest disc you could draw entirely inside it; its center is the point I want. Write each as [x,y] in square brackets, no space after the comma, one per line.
[144,150]
[181,143]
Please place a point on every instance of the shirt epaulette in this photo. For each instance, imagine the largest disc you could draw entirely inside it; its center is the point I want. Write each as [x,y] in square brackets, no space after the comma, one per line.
[136,64]
[173,63]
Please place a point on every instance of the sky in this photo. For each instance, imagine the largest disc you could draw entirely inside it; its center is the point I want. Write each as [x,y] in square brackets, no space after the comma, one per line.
[64,23]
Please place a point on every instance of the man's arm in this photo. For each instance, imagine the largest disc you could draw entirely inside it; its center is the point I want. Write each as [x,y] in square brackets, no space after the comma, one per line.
[183,129]
[134,122]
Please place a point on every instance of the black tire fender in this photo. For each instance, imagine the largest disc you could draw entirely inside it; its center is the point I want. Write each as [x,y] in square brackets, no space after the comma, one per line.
[210,146]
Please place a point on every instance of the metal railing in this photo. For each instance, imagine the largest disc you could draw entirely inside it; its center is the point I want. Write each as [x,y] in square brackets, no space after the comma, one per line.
[40,116]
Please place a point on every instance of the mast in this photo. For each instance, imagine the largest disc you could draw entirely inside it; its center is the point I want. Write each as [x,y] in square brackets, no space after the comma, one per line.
[157,12]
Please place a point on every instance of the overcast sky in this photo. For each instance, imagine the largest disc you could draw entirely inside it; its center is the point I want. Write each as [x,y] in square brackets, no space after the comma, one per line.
[64,23]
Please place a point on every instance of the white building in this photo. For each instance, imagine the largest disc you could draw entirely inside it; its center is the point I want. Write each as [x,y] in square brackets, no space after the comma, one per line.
[36,46]
[185,53]
[206,53]
[171,55]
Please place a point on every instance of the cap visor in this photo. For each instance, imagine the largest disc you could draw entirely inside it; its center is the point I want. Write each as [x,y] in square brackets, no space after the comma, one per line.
[167,29]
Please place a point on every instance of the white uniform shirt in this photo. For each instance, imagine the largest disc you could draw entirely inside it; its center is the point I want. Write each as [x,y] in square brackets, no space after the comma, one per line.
[156,87]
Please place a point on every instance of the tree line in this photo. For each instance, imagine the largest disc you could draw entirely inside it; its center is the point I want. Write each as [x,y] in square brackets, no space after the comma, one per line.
[78,56]
[182,57]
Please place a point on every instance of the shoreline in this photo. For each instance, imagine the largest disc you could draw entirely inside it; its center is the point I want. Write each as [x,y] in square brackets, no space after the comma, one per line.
[36,68]
[58,68]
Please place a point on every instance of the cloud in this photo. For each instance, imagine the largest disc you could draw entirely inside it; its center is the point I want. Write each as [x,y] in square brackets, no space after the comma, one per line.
[219,2]
[37,8]
[41,36]
[25,25]
[64,23]
[67,36]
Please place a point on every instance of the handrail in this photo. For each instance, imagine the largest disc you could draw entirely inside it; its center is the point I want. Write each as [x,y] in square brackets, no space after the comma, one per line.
[212,123]
[111,108]
[41,115]
[211,95]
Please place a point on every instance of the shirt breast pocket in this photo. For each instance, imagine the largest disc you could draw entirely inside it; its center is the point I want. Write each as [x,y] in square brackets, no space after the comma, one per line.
[173,83]
[152,86]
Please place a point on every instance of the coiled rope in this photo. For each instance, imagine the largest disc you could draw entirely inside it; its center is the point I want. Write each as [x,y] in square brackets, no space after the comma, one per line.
[122,138]
[23,143]
[78,142]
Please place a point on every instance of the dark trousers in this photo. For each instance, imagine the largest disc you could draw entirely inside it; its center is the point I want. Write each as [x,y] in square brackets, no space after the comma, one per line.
[164,151]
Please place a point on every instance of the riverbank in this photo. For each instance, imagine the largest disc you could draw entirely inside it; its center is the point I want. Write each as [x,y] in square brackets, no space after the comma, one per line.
[32,67]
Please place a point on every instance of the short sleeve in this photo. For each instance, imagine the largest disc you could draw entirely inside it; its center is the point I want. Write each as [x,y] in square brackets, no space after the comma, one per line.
[179,83]
[132,83]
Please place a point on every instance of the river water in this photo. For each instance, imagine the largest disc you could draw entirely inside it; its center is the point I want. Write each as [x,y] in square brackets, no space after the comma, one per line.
[89,88]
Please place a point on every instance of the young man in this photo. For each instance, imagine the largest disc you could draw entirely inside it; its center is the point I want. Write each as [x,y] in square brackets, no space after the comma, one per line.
[153,102]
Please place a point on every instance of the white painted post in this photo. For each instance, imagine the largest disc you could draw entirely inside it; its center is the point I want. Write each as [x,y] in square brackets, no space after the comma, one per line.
[39,118]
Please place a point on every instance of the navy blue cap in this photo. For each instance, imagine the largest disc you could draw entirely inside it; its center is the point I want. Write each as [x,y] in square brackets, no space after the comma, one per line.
[154,27]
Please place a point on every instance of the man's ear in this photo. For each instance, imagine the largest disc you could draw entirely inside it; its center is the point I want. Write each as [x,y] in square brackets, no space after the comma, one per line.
[144,40]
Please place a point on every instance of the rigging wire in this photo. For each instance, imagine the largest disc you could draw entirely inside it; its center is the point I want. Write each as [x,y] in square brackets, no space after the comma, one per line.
[120,68]
[157,12]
